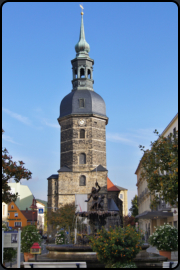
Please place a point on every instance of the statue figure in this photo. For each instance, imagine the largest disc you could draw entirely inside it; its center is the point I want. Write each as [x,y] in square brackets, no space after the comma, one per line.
[98,201]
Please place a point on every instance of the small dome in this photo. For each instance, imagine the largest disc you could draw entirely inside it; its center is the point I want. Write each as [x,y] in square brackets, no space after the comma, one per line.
[93,103]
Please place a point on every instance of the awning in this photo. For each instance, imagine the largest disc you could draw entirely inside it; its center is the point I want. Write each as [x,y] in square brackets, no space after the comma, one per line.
[154,215]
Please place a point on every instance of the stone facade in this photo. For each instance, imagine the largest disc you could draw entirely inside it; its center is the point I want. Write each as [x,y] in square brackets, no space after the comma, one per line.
[93,145]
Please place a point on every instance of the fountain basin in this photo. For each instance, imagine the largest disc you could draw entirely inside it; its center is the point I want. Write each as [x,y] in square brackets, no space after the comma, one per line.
[71,253]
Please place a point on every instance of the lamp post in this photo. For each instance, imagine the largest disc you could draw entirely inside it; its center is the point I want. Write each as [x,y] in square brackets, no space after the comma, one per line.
[34,208]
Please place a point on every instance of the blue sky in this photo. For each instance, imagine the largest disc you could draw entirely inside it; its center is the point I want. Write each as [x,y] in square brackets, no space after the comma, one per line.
[135,52]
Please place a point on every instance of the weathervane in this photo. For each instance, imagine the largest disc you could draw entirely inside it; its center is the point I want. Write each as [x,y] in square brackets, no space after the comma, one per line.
[81,10]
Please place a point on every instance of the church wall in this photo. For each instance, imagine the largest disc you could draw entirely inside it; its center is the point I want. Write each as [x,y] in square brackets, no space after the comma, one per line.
[93,145]
[69,185]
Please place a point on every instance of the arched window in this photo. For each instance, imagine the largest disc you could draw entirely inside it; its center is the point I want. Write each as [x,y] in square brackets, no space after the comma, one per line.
[82,158]
[75,73]
[82,133]
[89,74]
[82,74]
[82,180]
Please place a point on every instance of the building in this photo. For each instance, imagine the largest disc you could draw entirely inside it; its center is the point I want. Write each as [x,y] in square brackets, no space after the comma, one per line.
[25,196]
[83,123]
[118,193]
[19,218]
[16,219]
[4,212]
[42,208]
[164,213]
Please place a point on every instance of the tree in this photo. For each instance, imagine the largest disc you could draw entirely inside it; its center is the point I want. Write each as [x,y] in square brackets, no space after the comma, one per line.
[134,207]
[160,168]
[128,220]
[11,169]
[63,217]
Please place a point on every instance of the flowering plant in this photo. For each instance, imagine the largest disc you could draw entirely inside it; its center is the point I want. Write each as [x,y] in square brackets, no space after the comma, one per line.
[29,236]
[116,245]
[165,238]
[60,238]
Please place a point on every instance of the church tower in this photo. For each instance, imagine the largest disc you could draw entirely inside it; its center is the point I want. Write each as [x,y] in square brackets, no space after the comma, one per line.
[83,123]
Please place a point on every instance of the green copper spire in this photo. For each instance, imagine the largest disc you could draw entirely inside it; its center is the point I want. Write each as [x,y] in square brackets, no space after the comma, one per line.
[82,47]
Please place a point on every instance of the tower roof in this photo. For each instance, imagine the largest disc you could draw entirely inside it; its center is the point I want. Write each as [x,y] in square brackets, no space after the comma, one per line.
[82,47]
[94,103]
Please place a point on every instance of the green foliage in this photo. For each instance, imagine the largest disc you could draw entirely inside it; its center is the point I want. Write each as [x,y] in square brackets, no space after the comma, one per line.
[124,265]
[9,253]
[160,168]
[60,237]
[134,207]
[29,236]
[116,245]
[165,238]
[63,217]
[10,169]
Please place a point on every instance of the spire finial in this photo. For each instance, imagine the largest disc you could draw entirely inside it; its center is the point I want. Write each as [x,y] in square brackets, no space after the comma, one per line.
[81,9]
[82,47]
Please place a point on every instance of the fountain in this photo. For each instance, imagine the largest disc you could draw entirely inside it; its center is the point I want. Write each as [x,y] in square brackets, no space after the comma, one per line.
[81,250]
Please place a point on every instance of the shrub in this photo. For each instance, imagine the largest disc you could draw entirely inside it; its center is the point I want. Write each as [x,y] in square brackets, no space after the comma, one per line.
[116,245]
[60,238]
[124,265]
[29,236]
[165,238]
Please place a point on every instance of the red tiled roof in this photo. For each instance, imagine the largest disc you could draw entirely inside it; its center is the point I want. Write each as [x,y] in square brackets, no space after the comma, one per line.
[28,214]
[111,186]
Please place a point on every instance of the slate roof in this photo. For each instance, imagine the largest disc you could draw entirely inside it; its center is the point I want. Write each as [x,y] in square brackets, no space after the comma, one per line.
[28,215]
[53,176]
[112,205]
[94,103]
[65,169]
[100,168]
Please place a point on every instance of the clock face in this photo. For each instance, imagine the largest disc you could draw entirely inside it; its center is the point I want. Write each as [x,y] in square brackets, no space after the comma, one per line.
[81,122]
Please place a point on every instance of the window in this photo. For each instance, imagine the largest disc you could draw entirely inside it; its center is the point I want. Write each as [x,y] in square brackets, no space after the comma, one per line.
[16,214]
[121,196]
[82,75]
[75,73]
[174,133]
[17,224]
[82,133]
[12,206]
[82,180]
[81,103]
[175,224]
[89,74]
[82,158]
